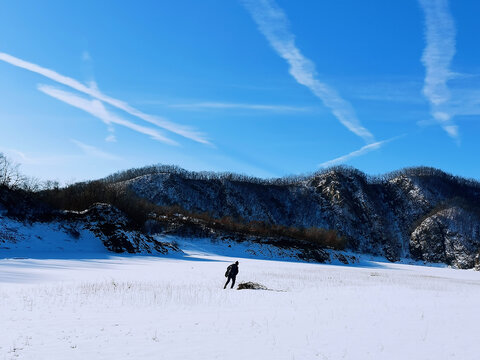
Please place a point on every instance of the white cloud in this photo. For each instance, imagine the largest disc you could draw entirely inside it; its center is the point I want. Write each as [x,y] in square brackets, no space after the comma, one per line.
[94,92]
[111,138]
[437,57]
[273,23]
[94,152]
[97,109]
[222,105]
[23,158]
[452,130]
[363,150]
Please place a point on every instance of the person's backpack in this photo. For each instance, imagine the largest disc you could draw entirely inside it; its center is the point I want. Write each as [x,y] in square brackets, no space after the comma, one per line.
[229,268]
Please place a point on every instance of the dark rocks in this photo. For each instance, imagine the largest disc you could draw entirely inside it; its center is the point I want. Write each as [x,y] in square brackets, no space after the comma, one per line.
[477,262]
[342,259]
[317,255]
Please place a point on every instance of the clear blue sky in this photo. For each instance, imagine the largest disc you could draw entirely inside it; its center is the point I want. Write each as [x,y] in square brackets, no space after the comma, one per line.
[266,88]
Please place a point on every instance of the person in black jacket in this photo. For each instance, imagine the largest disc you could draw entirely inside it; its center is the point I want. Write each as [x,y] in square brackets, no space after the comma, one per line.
[231,274]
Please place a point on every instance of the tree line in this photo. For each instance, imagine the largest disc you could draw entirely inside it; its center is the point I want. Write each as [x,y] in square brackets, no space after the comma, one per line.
[139,211]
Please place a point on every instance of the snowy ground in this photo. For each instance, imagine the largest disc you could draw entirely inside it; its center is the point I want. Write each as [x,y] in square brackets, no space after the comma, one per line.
[175,308]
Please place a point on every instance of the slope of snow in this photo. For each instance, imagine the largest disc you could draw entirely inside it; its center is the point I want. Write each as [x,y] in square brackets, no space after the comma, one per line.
[176,308]
[18,239]
[74,239]
[253,249]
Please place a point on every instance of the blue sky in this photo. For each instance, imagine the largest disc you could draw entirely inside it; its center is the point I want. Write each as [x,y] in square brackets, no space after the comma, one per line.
[266,88]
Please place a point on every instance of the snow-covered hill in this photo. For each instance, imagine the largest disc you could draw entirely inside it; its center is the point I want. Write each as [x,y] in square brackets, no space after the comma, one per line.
[377,215]
[420,214]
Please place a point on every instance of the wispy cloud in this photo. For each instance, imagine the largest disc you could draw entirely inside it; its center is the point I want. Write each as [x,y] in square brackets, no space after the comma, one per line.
[437,57]
[94,152]
[363,150]
[184,131]
[394,89]
[111,138]
[97,109]
[23,158]
[274,25]
[223,105]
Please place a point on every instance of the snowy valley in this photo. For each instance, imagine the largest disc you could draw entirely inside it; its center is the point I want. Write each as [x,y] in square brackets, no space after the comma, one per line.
[168,307]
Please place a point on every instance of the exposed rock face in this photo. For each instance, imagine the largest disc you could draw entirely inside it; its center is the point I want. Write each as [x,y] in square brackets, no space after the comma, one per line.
[477,262]
[111,226]
[377,216]
[450,236]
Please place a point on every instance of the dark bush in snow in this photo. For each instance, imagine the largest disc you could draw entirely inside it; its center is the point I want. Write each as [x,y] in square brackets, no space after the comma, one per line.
[251,286]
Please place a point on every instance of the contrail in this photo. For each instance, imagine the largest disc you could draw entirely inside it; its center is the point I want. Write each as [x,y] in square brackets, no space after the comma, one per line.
[273,24]
[94,152]
[437,57]
[364,149]
[97,109]
[94,92]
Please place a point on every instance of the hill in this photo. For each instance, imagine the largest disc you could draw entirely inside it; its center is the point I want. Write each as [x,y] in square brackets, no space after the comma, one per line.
[419,213]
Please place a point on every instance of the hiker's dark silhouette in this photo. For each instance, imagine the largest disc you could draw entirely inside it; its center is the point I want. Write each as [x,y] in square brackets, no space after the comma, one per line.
[231,274]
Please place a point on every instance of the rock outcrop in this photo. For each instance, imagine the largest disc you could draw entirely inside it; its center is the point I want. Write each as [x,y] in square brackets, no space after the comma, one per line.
[110,225]
[450,236]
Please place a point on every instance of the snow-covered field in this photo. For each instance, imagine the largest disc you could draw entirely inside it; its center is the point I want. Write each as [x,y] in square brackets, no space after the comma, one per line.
[175,308]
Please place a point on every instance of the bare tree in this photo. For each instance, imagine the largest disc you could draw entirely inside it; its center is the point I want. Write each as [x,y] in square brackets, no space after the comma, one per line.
[9,174]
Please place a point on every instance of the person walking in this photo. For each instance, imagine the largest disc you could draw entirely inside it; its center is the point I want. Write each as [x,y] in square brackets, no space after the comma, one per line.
[231,274]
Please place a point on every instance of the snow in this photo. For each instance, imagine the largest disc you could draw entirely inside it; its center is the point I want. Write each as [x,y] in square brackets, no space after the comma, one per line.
[64,239]
[45,240]
[139,307]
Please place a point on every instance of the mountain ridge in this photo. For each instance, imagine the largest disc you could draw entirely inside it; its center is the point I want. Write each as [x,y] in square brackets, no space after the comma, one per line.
[420,213]
[377,215]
